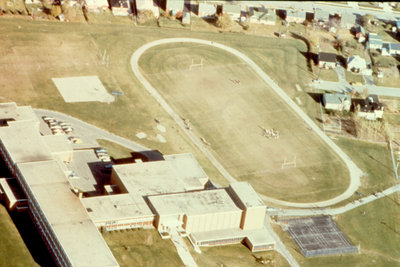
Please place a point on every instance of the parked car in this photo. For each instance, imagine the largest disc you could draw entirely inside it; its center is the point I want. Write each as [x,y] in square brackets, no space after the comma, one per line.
[48,118]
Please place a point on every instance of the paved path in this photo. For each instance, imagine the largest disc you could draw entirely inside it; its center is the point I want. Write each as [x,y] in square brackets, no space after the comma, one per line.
[279,246]
[90,132]
[183,250]
[335,211]
[355,172]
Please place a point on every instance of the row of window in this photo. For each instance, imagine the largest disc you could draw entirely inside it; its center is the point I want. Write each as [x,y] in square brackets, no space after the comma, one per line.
[221,242]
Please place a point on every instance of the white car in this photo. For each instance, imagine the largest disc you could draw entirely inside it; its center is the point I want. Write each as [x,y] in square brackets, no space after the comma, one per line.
[47,118]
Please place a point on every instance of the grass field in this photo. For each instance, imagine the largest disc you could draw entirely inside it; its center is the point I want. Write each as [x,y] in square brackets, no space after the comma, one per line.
[235,255]
[377,232]
[142,248]
[229,115]
[13,251]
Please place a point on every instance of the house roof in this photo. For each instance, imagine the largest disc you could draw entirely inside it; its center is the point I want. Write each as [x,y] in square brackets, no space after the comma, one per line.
[320,14]
[327,57]
[370,104]
[348,18]
[356,61]
[336,98]
[394,46]
[375,41]
[119,3]
[374,36]
[232,8]
[296,14]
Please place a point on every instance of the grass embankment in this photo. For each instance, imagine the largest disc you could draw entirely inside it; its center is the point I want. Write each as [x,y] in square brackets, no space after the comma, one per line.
[142,248]
[13,251]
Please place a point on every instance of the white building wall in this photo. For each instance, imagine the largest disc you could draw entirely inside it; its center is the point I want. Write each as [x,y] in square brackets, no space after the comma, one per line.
[213,221]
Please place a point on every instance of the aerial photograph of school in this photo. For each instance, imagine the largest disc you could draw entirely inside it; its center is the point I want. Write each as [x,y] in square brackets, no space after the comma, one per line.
[199,133]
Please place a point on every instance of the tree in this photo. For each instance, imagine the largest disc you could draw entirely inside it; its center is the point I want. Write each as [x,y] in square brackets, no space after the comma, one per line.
[367,19]
[223,21]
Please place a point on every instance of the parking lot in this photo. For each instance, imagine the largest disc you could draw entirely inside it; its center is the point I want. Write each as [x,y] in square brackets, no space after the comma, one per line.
[90,173]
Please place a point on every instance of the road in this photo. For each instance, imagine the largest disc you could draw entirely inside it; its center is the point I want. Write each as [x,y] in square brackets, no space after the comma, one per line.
[344,87]
[90,132]
[355,172]
[335,211]
[331,7]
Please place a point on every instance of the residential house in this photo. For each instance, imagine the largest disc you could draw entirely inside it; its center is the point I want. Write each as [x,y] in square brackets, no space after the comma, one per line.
[390,49]
[348,20]
[337,102]
[207,10]
[357,64]
[262,15]
[321,16]
[360,34]
[369,108]
[173,7]
[374,41]
[327,60]
[234,11]
[296,16]
[142,5]
[186,14]
[120,7]
[96,5]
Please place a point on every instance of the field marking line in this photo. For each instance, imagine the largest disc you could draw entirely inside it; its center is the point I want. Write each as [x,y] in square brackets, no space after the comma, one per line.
[355,172]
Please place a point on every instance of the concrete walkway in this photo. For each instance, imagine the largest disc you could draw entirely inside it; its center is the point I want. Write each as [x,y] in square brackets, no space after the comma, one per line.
[279,246]
[336,211]
[183,250]
[355,172]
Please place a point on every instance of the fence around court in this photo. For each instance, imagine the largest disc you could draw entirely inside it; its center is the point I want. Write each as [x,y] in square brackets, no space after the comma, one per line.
[329,251]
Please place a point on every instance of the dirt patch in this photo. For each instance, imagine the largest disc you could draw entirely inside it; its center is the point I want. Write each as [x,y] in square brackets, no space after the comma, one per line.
[82,89]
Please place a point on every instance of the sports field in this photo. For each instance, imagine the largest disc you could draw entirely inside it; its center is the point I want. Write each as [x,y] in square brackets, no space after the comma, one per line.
[227,104]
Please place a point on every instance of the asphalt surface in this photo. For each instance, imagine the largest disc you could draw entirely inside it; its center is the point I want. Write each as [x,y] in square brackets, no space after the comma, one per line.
[355,172]
[89,132]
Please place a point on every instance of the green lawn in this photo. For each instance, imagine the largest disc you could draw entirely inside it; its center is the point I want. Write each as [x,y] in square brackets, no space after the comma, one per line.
[13,251]
[377,231]
[351,77]
[142,248]
[235,255]
[115,151]
[327,75]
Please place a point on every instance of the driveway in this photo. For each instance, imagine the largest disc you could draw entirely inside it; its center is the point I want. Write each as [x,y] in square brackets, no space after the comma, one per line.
[355,172]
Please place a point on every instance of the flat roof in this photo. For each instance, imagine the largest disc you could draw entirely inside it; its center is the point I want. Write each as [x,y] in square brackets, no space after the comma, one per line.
[24,143]
[256,237]
[76,233]
[115,207]
[12,111]
[247,194]
[42,172]
[194,203]
[84,245]
[57,143]
[177,173]
[336,98]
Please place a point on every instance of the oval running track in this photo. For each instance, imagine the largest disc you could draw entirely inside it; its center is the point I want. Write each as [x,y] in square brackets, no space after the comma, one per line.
[355,172]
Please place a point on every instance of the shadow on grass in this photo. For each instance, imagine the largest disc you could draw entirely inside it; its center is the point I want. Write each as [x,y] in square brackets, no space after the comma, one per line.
[317,97]
[32,238]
